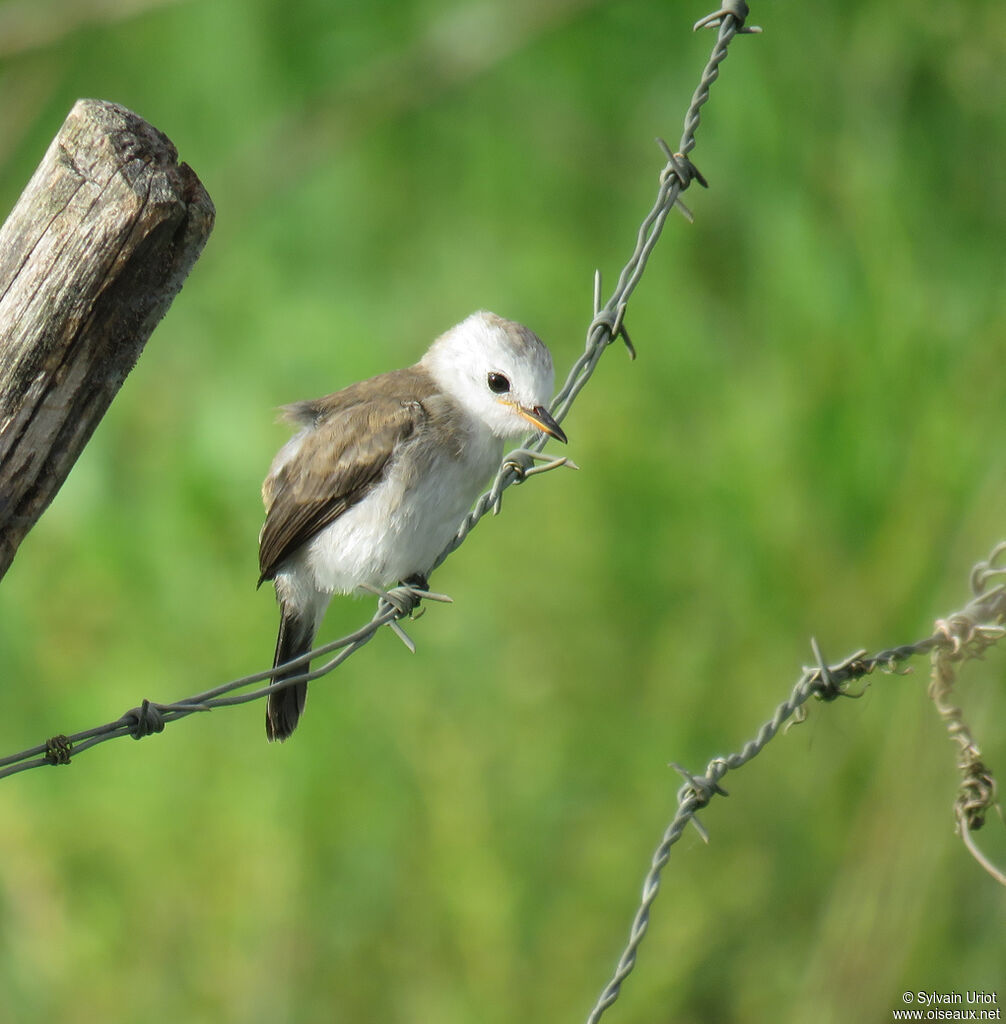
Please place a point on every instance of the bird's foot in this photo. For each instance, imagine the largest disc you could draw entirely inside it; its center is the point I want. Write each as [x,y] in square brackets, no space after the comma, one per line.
[405,600]
[413,590]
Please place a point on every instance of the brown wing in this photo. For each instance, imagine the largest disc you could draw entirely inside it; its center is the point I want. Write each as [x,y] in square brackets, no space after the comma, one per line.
[341,457]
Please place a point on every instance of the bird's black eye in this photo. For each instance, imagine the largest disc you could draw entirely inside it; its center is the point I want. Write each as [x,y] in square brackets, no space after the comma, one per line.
[498,384]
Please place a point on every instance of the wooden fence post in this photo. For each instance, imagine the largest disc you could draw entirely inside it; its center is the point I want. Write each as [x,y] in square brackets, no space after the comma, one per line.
[91,257]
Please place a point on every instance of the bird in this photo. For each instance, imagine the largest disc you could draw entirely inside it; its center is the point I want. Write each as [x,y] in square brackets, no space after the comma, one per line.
[379,477]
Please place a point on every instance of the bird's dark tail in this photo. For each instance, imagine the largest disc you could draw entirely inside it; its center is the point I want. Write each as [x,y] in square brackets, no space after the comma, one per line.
[296,634]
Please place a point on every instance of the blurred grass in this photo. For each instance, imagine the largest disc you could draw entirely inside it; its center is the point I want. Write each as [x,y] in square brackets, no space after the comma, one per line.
[808,444]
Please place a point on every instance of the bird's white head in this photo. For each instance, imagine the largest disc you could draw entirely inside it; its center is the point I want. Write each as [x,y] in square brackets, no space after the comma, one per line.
[500,371]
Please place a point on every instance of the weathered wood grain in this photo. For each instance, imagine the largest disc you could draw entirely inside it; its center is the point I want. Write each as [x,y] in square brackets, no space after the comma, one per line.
[91,257]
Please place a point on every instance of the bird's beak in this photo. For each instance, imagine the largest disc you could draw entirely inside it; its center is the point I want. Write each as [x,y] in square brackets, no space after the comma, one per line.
[541,418]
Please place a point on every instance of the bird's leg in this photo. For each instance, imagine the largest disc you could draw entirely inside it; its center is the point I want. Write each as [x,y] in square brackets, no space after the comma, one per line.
[406,596]
[418,586]
[414,589]
[410,593]
[417,581]
[405,600]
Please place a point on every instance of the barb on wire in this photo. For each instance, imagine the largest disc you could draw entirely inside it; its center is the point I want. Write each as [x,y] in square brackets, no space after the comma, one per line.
[965,635]
[607,325]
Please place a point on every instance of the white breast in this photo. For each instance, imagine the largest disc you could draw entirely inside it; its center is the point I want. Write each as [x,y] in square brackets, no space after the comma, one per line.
[404,523]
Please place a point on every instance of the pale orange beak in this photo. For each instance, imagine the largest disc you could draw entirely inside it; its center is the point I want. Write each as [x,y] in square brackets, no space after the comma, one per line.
[541,418]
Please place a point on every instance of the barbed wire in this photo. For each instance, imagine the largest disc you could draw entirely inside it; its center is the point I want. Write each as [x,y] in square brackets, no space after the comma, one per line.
[963,636]
[606,326]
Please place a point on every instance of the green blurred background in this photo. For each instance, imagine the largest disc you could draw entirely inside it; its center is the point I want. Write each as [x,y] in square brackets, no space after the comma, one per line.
[810,443]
